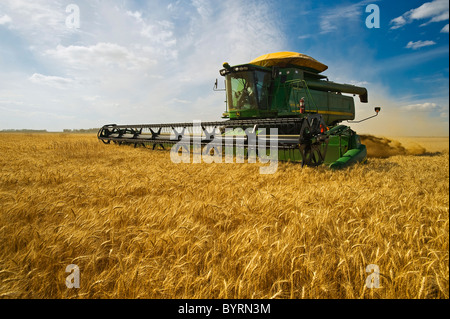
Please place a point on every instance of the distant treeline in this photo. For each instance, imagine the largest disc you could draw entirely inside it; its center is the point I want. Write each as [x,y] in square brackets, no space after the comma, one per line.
[24,131]
[89,130]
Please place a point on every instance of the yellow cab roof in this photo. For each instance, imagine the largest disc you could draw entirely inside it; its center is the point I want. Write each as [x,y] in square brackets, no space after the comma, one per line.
[285,58]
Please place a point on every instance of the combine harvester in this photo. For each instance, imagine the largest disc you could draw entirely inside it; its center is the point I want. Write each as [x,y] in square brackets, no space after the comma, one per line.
[283,90]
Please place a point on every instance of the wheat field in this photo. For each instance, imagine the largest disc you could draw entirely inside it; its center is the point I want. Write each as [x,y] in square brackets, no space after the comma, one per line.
[139,226]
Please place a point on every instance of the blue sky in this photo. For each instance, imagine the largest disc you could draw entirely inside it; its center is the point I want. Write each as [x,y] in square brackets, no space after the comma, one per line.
[156,61]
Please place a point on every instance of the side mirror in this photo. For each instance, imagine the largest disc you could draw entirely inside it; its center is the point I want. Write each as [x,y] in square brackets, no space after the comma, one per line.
[215,87]
[377,110]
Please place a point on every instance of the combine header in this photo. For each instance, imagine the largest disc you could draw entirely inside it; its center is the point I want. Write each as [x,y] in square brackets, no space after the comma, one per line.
[283,90]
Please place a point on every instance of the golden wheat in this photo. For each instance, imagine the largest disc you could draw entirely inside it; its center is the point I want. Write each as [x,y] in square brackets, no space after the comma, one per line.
[140,226]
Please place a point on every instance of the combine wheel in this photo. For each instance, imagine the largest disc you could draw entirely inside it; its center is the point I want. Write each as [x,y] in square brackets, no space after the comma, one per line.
[313,141]
[312,154]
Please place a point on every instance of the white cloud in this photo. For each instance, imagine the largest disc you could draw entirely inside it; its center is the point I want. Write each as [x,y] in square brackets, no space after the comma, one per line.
[176,100]
[231,31]
[203,8]
[52,81]
[411,59]
[419,44]
[359,83]
[160,32]
[157,62]
[305,36]
[421,107]
[442,17]
[137,15]
[38,22]
[435,11]
[445,29]
[398,22]
[333,18]
[5,19]
[99,55]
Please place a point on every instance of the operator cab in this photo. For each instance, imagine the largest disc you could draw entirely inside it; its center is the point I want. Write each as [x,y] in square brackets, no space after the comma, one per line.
[247,89]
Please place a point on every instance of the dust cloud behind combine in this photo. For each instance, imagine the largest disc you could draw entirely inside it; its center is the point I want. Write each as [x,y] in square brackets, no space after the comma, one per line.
[382,147]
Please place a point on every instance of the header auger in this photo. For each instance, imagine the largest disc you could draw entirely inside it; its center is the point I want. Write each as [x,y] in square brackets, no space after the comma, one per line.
[283,90]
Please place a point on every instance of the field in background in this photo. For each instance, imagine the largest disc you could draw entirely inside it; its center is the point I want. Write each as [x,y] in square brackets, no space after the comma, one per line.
[139,226]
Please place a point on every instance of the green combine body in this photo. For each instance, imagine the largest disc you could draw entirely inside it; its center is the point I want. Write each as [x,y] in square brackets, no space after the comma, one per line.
[258,92]
[283,90]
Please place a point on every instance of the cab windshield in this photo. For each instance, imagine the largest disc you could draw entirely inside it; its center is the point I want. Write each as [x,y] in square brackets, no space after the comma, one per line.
[247,90]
